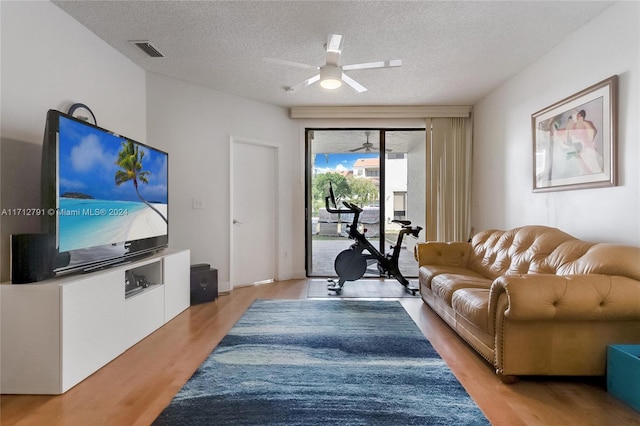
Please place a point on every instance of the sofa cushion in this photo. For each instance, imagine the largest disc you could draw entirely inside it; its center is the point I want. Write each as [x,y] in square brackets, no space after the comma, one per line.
[444,285]
[473,305]
[428,272]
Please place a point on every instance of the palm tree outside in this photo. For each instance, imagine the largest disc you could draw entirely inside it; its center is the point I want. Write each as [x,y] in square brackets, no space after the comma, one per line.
[130,163]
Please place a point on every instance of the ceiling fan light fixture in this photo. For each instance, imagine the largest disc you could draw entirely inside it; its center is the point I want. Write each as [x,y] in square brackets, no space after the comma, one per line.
[330,77]
[330,84]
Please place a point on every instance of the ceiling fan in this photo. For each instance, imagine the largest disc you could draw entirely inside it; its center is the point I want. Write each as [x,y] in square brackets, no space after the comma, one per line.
[366,145]
[332,74]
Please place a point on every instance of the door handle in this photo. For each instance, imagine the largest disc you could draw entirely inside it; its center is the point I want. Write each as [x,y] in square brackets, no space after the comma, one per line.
[236,222]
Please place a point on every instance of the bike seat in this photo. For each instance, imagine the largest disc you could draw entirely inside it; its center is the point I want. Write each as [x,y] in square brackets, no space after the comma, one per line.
[402,222]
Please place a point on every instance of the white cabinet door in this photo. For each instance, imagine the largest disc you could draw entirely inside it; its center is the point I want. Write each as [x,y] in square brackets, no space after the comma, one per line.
[144,313]
[30,344]
[92,321]
[176,283]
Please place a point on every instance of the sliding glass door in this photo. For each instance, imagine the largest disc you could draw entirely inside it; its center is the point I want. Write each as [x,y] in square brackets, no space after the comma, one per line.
[380,170]
[350,161]
[404,191]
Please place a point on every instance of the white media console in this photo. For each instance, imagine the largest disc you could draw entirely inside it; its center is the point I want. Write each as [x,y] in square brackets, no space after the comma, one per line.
[55,333]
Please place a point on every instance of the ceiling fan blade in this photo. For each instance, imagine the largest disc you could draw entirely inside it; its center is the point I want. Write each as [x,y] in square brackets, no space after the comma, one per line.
[357,149]
[354,84]
[304,84]
[334,49]
[291,64]
[389,63]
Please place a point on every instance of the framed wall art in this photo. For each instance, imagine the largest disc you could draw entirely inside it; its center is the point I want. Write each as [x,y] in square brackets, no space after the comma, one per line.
[574,140]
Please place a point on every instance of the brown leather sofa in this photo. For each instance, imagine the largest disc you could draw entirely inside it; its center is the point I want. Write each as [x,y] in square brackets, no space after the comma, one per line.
[534,300]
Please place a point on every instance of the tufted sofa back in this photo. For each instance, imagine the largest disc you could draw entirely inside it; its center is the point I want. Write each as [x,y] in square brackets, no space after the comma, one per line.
[518,251]
[546,250]
[608,259]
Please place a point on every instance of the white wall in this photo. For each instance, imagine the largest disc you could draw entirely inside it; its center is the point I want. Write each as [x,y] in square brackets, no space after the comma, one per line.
[49,61]
[502,176]
[194,124]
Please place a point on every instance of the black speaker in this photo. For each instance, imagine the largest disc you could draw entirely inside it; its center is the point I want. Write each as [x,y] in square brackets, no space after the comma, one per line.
[204,284]
[31,257]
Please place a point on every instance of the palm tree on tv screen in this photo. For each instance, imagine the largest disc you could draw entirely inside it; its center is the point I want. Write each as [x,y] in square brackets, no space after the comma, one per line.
[130,161]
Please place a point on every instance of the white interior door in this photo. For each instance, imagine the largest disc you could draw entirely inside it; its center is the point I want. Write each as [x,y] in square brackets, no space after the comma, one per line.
[253,212]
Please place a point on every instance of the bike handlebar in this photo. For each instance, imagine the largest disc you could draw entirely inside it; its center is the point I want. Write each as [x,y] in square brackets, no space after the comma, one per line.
[351,208]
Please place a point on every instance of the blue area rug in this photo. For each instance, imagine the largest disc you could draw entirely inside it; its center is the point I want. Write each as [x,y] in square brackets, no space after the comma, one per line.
[317,362]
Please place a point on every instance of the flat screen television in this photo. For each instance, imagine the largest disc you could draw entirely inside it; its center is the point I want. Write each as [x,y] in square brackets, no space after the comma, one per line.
[105,196]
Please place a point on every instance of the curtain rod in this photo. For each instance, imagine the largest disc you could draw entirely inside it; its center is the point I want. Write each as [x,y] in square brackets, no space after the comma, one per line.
[389,111]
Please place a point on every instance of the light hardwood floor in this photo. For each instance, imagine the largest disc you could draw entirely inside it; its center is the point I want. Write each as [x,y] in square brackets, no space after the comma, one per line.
[135,387]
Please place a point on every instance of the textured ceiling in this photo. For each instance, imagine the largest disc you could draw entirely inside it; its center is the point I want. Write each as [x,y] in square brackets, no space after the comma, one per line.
[343,141]
[453,53]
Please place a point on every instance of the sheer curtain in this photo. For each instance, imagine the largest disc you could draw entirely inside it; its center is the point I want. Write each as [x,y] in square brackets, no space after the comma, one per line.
[448,196]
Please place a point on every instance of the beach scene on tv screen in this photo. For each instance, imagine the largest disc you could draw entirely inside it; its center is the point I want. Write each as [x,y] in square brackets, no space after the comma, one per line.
[111,189]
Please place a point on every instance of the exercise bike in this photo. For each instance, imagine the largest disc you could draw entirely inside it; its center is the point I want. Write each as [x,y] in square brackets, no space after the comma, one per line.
[351,264]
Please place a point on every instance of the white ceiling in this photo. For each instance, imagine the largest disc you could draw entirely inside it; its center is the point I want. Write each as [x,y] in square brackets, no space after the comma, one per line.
[453,53]
[344,141]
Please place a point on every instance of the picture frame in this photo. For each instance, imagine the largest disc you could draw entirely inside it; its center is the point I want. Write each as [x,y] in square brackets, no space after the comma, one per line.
[575,140]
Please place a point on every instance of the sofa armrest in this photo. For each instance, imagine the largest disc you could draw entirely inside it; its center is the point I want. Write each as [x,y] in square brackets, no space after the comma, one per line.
[588,297]
[442,253]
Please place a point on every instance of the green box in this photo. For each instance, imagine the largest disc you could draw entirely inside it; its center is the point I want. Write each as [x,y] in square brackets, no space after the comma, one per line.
[623,373]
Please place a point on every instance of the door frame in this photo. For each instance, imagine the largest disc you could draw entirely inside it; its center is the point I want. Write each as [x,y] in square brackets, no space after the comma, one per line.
[382,130]
[233,141]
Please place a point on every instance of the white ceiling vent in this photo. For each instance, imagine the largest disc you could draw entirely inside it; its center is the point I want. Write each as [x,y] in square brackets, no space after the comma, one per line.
[147,48]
